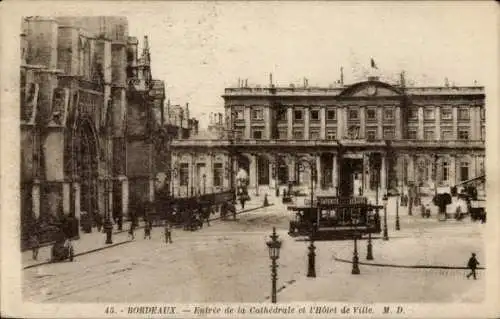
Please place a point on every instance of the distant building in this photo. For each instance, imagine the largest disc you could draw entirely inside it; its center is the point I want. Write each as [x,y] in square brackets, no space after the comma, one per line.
[356,137]
[201,169]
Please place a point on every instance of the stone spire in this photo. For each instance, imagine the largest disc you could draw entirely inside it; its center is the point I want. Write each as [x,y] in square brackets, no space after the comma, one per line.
[146,55]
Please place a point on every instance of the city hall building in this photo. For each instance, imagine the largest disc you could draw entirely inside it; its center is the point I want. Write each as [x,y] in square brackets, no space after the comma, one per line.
[353,138]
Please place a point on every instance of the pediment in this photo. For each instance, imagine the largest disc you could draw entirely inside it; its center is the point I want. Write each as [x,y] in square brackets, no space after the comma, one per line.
[371,89]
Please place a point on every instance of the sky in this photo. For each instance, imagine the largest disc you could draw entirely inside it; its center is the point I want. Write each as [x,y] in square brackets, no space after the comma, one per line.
[200,48]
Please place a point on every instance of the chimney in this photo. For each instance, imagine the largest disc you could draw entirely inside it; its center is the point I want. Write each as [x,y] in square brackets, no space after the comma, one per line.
[220,118]
[342,76]
[239,82]
[246,83]
[402,79]
[271,80]
[145,50]
[446,82]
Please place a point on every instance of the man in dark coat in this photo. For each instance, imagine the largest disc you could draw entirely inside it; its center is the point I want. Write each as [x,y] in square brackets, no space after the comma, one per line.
[472,265]
[242,201]
[35,242]
[148,225]
[168,233]
[131,232]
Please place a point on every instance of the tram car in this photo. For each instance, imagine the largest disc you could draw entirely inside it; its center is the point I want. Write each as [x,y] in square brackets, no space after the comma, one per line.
[335,218]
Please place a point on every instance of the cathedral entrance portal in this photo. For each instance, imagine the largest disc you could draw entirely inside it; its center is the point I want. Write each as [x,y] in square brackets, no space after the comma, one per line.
[86,157]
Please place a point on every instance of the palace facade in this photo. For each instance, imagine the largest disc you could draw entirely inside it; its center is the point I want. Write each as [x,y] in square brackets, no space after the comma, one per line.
[344,139]
[93,129]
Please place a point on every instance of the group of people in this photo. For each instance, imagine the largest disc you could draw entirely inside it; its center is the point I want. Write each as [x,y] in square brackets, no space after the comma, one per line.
[148,227]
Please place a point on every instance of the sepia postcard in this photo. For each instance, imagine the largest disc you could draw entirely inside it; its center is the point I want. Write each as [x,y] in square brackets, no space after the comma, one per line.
[252,159]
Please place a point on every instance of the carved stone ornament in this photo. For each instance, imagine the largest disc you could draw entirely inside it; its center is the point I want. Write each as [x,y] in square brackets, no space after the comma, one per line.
[98,74]
[59,101]
[372,90]
[353,132]
[29,98]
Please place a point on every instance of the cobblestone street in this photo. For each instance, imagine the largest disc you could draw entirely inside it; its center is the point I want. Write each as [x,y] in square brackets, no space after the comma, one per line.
[228,262]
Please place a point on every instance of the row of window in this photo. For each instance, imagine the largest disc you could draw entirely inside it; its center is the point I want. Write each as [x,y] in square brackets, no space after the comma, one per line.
[371,114]
[371,134]
[218,174]
[425,170]
[463,114]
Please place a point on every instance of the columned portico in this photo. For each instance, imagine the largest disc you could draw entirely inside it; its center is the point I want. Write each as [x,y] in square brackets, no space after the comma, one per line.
[319,172]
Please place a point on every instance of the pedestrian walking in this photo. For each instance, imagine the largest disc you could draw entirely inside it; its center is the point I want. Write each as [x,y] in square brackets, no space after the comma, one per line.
[99,222]
[242,201]
[131,232]
[35,244]
[168,233]
[472,265]
[147,229]
[206,214]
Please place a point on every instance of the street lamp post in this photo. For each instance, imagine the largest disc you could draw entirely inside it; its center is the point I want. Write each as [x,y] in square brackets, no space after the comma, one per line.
[435,173]
[231,137]
[355,258]
[410,200]
[276,166]
[311,265]
[204,184]
[277,188]
[274,246]
[398,227]
[384,201]
[369,250]
[256,175]
[108,226]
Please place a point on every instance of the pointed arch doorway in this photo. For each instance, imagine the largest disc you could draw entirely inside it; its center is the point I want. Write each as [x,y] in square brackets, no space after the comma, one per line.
[85,151]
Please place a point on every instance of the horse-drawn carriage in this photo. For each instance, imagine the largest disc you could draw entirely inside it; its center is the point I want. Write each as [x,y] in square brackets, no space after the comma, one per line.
[190,212]
[62,248]
[228,208]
